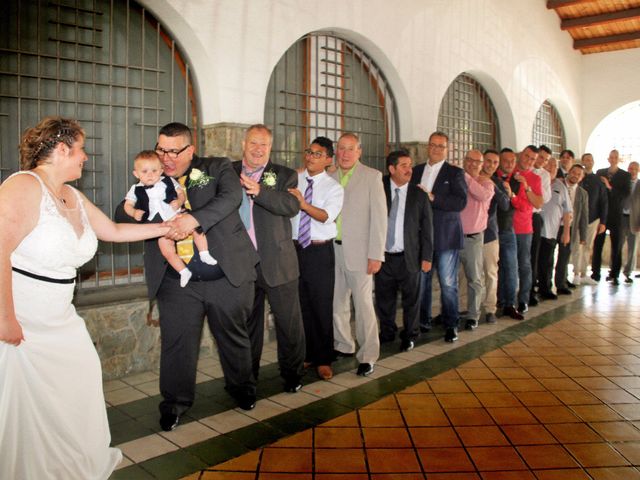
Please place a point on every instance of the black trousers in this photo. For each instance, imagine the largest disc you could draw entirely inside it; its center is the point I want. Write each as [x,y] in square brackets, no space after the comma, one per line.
[545,264]
[562,263]
[617,238]
[393,276]
[538,222]
[182,312]
[315,286]
[285,306]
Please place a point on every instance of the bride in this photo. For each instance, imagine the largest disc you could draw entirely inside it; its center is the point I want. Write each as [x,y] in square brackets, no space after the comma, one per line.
[53,421]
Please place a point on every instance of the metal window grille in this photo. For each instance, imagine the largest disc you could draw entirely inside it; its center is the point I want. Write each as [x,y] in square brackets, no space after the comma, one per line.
[468,117]
[326,85]
[113,67]
[548,129]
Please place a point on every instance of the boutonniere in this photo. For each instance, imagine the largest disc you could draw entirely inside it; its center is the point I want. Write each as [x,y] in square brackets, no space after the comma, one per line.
[269,179]
[197,178]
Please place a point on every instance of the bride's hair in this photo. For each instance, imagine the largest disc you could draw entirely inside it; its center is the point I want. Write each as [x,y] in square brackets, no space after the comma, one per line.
[38,142]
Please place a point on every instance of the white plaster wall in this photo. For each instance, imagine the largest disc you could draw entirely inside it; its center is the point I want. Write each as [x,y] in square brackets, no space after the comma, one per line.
[609,81]
[515,48]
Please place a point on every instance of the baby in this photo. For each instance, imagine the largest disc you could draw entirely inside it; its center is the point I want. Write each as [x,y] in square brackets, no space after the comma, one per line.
[156,194]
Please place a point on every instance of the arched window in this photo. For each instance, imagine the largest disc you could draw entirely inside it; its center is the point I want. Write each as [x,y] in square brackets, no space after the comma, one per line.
[548,129]
[326,85]
[468,117]
[113,67]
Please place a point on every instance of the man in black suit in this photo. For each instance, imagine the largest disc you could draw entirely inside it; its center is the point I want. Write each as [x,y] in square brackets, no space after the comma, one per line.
[266,210]
[408,250]
[447,190]
[618,184]
[223,293]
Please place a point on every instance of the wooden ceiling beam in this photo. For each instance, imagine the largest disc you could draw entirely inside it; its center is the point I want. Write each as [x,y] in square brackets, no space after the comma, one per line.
[602,41]
[600,19]
[553,4]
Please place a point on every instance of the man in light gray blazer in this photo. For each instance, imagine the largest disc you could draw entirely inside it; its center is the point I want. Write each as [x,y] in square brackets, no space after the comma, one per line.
[359,249]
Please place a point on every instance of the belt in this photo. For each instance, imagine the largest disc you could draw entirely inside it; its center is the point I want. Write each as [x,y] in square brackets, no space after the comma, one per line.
[314,242]
[42,277]
[338,242]
[394,254]
[471,235]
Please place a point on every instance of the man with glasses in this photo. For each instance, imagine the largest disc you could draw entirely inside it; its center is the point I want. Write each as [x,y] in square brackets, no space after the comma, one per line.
[447,190]
[266,211]
[223,292]
[314,229]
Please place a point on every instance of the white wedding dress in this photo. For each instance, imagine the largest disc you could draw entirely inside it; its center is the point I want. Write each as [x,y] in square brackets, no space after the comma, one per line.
[53,420]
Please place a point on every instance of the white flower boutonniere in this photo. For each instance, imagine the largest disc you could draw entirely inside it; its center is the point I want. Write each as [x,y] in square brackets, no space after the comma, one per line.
[269,179]
[197,178]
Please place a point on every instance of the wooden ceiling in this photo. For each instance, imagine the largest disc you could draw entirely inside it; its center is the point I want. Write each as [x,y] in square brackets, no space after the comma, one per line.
[600,25]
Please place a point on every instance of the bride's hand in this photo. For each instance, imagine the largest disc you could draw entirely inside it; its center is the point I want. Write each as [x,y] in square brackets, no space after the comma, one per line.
[11,332]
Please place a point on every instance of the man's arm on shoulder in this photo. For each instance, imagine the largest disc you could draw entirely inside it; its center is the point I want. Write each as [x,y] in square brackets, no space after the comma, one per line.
[227,198]
[278,200]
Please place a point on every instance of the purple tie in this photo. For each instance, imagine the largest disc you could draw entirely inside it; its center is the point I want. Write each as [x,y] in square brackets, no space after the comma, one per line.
[304,230]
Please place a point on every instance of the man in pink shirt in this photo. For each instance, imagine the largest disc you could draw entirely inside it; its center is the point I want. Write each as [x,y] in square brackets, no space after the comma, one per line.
[525,198]
[474,222]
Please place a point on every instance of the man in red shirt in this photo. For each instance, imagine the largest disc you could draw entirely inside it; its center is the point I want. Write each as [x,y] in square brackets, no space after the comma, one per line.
[524,199]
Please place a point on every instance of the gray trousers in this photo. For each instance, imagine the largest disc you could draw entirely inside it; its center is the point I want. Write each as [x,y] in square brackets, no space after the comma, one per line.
[471,257]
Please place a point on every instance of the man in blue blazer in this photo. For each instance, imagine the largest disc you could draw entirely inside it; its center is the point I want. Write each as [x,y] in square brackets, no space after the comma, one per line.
[447,190]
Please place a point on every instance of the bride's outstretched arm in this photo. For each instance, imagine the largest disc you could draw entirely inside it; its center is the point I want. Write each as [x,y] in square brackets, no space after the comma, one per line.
[19,209]
[109,231]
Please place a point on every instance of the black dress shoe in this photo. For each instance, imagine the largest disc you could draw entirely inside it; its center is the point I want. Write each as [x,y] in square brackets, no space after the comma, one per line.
[533,300]
[548,295]
[292,385]
[615,282]
[425,327]
[628,280]
[169,421]
[490,318]
[364,369]
[523,308]
[512,312]
[451,335]
[637,275]
[246,401]
[471,324]
[563,291]
[386,338]
[407,345]
[595,278]
[571,285]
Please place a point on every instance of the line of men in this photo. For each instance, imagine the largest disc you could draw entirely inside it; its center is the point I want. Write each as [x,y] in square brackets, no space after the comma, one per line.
[315,241]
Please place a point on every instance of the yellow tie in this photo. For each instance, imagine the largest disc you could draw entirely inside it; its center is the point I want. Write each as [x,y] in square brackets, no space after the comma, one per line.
[185,247]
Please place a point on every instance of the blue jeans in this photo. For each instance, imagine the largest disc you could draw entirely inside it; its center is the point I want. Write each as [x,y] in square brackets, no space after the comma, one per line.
[524,266]
[446,263]
[507,269]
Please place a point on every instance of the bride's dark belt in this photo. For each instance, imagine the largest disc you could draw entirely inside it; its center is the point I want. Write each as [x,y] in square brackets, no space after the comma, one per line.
[42,277]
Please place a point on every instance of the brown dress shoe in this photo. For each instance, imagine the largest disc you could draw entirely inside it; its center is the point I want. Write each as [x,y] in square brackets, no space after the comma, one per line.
[325,372]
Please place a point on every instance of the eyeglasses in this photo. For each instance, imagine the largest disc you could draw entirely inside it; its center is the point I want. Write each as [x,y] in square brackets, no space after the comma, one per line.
[316,154]
[439,146]
[170,153]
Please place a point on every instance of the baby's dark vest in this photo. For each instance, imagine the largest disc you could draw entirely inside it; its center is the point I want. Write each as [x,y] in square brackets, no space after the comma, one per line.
[142,199]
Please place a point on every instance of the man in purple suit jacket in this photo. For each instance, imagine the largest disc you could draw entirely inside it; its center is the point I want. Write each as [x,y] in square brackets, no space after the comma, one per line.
[447,191]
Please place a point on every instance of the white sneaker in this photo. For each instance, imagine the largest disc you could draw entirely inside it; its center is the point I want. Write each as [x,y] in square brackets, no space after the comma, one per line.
[588,281]
[577,280]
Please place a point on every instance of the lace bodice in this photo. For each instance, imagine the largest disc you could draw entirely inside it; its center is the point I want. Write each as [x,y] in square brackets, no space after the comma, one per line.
[53,248]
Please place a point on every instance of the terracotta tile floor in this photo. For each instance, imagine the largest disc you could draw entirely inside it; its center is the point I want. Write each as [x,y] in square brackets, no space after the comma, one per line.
[561,402]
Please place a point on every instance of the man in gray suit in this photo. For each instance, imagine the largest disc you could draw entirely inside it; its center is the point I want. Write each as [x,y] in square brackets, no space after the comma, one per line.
[266,210]
[223,293]
[579,224]
[359,249]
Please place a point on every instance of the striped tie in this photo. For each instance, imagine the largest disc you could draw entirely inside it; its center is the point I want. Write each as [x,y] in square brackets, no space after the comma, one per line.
[304,231]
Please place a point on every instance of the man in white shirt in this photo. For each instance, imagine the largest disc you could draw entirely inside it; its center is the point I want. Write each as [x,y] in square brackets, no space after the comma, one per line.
[314,229]
[408,251]
[544,153]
